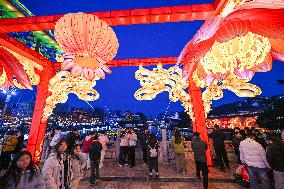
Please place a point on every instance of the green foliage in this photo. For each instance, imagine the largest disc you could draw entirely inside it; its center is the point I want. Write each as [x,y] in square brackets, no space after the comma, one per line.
[185,120]
[143,117]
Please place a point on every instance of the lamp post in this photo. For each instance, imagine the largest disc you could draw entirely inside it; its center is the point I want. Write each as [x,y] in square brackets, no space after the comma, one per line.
[9,93]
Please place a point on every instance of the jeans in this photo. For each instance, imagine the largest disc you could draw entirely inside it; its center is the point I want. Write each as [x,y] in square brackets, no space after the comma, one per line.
[202,166]
[180,162]
[122,154]
[256,173]
[279,179]
[222,158]
[95,171]
[131,155]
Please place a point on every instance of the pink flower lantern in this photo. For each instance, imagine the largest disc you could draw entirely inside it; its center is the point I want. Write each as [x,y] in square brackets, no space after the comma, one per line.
[89,43]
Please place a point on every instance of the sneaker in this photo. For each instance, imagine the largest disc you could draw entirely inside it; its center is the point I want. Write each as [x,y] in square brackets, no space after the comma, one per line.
[184,172]
[150,175]
[126,164]
[120,165]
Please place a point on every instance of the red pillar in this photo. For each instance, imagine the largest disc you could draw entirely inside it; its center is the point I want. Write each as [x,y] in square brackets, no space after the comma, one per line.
[38,127]
[199,122]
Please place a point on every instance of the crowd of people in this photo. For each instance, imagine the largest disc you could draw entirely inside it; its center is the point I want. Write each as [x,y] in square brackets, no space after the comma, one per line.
[262,155]
[65,158]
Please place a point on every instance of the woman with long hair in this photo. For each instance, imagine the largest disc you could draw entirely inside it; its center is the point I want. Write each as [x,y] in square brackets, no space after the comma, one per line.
[57,168]
[152,154]
[177,142]
[22,174]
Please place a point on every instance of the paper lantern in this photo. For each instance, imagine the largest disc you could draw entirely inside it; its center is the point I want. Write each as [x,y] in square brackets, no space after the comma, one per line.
[89,44]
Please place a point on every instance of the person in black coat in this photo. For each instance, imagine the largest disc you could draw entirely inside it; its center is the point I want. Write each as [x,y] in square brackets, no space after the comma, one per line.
[218,138]
[72,138]
[237,139]
[20,137]
[95,156]
[152,154]
[260,138]
[144,138]
[275,158]
[199,148]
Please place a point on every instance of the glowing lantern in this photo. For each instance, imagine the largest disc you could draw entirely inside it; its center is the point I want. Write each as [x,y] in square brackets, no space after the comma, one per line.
[10,67]
[89,44]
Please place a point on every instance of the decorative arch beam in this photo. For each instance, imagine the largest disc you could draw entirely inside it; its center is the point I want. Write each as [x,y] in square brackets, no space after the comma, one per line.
[136,62]
[116,18]
[11,43]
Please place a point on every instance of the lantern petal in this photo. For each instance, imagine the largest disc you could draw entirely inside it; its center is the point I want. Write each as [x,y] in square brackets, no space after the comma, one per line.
[12,68]
[67,64]
[76,71]
[265,66]
[99,72]
[89,73]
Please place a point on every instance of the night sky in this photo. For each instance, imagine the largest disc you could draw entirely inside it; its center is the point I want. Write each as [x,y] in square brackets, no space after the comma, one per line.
[142,41]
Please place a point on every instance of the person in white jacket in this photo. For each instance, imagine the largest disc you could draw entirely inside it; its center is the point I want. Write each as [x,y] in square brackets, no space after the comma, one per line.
[253,155]
[58,169]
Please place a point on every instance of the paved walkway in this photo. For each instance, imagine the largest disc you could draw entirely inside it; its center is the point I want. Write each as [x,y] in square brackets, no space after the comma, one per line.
[156,185]
[115,177]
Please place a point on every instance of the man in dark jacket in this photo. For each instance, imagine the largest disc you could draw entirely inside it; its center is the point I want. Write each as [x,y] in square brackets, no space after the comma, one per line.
[199,148]
[218,138]
[72,138]
[144,138]
[95,156]
[275,158]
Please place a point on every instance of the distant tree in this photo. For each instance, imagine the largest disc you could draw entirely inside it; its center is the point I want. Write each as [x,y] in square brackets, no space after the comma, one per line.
[61,109]
[128,116]
[117,112]
[273,117]
[143,117]
[98,112]
[185,120]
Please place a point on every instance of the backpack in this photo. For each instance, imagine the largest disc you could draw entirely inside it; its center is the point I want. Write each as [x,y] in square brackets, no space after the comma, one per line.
[86,145]
[153,152]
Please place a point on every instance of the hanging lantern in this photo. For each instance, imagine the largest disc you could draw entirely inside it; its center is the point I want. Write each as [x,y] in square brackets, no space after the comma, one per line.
[89,43]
